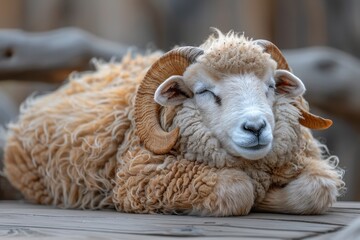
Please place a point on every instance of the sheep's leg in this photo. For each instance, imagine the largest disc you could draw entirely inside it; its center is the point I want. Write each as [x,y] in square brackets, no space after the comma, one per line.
[23,174]
[233,194]
[315,189]
[183,187]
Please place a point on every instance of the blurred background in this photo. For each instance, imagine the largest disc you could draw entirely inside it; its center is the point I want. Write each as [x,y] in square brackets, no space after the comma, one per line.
[331,72]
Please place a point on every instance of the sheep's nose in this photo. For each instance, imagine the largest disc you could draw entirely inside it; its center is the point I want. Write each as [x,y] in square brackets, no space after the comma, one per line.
[254,127]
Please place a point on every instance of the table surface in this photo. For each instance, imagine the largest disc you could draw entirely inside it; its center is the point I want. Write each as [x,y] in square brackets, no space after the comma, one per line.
[19,220]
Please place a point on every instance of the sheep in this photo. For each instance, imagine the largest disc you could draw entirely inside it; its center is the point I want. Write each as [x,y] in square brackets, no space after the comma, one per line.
[214,130]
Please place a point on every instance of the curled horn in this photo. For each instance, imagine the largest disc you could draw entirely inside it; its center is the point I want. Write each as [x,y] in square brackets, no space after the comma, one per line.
[147,110]
[308,119]
[275,53]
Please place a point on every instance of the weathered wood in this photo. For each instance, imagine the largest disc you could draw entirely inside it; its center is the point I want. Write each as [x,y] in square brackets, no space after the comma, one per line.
[332,79]
[51,56]
[20,220]
[347,205]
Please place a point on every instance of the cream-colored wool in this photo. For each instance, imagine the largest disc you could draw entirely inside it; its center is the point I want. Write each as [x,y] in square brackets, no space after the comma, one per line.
[219,55]
[63,148]
[77,148]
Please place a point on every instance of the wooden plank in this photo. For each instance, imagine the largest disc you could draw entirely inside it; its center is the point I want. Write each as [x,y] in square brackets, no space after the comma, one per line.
[160,228]
[348,205]
[326,236]
[173,220]
[28,233]
[21,220]
[346,210]
[335,218]
[244,222]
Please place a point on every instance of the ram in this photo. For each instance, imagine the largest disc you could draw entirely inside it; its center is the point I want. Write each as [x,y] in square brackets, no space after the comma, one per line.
[213,130]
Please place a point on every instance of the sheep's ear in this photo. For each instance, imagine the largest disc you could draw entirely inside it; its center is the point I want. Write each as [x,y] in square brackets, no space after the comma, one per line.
[173,91]
[287,83]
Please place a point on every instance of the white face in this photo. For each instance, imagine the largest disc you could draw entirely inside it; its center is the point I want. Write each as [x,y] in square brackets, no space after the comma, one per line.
[238,109]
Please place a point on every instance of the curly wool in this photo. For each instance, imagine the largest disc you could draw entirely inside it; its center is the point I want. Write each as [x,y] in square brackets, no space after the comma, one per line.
[63,149]
[219,55]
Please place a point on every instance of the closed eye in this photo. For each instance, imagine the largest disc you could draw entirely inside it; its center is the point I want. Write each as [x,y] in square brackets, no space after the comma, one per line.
[204,91]
[216,97]
[271,89]
[272,86]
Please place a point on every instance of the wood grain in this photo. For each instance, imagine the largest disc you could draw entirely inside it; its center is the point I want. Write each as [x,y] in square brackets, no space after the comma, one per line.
[19,220]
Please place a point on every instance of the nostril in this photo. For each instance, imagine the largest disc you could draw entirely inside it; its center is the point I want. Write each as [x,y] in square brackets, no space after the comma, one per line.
[262,125]
[249,127]
[254,127]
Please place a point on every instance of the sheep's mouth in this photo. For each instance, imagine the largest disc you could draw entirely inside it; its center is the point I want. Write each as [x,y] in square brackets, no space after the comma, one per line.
[251,150]
[255,152]
[256,147]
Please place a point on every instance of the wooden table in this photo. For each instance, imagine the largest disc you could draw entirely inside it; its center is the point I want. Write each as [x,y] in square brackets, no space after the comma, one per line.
[20,220]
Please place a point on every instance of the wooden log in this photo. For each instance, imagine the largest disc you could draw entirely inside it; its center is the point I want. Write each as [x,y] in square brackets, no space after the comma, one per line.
[332,79]
[51,56]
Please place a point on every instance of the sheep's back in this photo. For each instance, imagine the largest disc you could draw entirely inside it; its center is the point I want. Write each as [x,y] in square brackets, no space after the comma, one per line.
[62,150]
